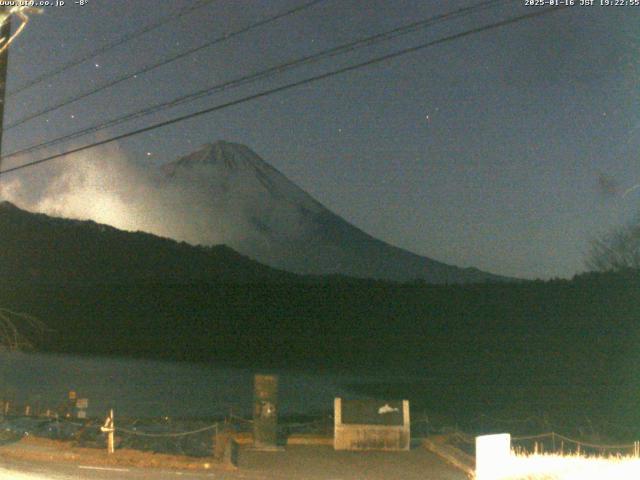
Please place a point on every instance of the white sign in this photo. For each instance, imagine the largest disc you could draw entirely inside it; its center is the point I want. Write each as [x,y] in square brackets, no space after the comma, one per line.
[493,455]
[387,409]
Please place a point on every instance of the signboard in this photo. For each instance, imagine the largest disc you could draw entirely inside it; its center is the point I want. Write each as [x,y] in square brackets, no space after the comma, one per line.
[371,425]
[82,403]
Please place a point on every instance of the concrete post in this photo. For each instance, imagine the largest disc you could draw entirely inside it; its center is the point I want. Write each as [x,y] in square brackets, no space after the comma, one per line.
[265,412]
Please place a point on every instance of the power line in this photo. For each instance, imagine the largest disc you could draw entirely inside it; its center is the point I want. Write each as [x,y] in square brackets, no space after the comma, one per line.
[110,46]
[166,61]
[341,49]
[5,34]
[289,86]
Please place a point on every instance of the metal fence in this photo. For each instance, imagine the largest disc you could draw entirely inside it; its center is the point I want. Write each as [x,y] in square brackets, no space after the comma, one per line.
[178,436]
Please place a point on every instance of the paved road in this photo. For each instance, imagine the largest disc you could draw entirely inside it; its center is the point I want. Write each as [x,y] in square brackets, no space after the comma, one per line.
[323,463]
[27,470]
[294,463]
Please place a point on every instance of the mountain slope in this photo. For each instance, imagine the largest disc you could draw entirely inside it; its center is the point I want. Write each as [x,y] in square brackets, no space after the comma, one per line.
[41,249]
[268,218]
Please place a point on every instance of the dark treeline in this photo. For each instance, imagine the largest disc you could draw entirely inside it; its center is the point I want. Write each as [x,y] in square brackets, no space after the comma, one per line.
[563,344]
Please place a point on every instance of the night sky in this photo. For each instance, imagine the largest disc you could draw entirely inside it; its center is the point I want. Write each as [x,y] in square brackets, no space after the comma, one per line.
[506,150]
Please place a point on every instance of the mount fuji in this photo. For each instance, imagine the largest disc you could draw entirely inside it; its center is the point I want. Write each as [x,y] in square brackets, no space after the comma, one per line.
[262,214]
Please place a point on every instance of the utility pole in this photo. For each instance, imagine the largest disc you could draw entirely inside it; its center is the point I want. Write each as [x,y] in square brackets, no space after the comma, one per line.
[5,33]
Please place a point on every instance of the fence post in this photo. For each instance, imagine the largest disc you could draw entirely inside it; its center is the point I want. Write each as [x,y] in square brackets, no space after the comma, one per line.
[109,427]
[112,441]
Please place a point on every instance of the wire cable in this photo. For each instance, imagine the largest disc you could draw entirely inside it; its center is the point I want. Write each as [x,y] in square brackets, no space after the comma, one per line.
[110,46]
[173,58]
[291,85]
[168,434]
[263,74]
[571,440]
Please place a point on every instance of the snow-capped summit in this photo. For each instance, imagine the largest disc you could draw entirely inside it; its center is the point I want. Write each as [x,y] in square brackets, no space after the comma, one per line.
[255,209]
[235,169]
[230,155]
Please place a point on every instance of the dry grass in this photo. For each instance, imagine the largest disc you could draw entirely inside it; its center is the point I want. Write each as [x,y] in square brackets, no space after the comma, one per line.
[572,467]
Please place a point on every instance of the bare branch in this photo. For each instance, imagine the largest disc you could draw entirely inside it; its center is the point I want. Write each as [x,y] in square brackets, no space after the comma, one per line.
[18,331]
[615,251]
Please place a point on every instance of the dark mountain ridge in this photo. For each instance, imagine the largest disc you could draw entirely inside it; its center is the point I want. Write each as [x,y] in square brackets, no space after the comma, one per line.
[42,249]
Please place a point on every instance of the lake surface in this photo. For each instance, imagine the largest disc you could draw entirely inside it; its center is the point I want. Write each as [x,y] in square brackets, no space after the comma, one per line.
[147,388]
